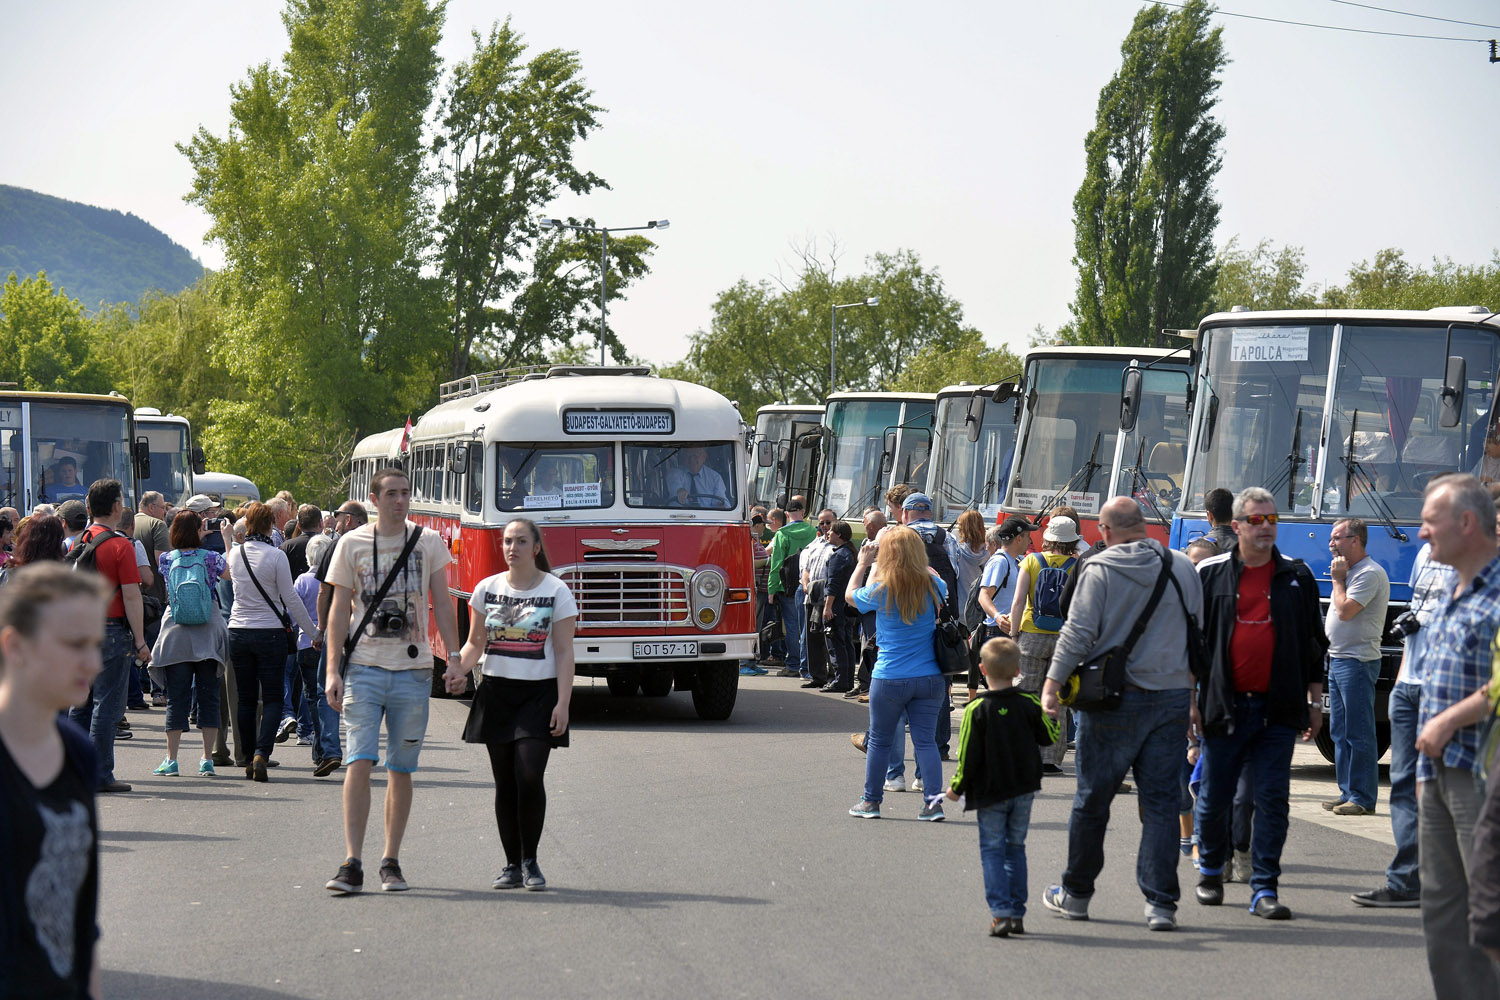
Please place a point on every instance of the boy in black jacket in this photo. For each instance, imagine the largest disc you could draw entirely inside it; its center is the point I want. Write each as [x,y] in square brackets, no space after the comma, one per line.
[998,774]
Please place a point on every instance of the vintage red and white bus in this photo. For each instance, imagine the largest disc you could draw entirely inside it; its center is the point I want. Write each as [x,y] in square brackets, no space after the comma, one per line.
[638,484]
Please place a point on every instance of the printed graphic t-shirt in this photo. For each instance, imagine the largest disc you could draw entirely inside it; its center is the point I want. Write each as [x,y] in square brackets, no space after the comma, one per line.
[353,567]
[518,625]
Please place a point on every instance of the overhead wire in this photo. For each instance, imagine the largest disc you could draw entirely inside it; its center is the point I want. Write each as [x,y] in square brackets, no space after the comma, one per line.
[1327,27]
[1408,13]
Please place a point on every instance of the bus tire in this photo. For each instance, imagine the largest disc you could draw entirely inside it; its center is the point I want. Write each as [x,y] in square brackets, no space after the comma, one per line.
[656,682]
[714,690]
[623,681]
[1325,742]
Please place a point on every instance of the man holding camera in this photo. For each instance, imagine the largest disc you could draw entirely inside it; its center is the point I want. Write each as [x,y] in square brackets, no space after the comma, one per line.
[394,568]
[1431,583]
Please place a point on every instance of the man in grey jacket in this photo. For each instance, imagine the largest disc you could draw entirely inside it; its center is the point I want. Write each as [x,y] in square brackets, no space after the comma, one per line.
[1148,731]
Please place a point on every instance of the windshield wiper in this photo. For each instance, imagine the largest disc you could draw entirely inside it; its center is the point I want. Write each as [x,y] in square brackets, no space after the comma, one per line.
[1293,460]
[1138,477]
[1087,470]
[1355,472]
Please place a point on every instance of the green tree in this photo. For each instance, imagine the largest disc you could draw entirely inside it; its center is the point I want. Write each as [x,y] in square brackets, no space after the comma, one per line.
[1145,215]
[769,343]
[1262,278]
[1391,282]
[45,339]
[508,127]
[969,360]
[318,196]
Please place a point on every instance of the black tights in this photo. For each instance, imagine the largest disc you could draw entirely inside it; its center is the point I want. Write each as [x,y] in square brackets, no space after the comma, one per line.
[520,795]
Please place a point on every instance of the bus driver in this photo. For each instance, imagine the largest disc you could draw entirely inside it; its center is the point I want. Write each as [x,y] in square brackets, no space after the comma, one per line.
[696,484]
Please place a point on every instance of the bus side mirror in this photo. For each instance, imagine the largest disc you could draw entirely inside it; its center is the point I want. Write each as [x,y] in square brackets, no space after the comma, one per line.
[765,453]
[200,461]
[1004,391]
[1211,420]
[458,461]
[143,458]
[1454,380]
[887,452]
[975,418]
[1130,398]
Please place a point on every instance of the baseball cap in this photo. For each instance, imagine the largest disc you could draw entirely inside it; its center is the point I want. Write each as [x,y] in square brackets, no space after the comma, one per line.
[200,502]
[917,501]
[795,504]
[1061,529]
[74,514]
[1015,526]
[757,519]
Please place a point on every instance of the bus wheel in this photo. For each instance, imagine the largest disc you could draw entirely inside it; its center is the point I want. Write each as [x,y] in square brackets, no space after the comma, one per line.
[1325,742]
[1382,739]
[715,689]
[656,682]
[623,681]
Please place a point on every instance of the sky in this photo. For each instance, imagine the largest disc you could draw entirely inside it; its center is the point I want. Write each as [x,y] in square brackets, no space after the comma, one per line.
[952,129]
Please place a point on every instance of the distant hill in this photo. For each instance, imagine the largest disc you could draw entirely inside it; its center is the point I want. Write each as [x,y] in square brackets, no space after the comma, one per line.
[98,255]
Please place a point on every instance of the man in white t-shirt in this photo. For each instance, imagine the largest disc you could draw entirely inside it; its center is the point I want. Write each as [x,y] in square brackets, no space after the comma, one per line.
[390,669]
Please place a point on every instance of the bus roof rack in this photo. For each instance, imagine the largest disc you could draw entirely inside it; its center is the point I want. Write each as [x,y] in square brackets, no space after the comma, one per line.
[473,385]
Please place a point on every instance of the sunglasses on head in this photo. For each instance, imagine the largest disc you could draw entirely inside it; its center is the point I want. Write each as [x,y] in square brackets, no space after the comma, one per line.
[1256,520]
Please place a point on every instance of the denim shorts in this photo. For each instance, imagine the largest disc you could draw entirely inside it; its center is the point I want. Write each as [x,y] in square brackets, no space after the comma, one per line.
[398,695]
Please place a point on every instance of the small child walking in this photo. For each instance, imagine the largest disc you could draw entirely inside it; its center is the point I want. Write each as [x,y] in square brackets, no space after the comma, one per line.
[998,775]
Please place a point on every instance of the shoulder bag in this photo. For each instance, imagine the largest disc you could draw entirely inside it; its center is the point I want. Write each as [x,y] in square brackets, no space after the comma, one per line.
[1099,684]
[950,640]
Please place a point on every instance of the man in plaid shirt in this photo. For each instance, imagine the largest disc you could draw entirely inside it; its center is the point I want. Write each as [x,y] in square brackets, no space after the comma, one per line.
[1458,521]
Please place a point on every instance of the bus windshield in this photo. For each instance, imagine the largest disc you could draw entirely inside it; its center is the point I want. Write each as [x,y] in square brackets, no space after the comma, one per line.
[972,474]
[680,475]
[1154,457]
[73,444]
[1263,423]
[171,460]
[554,477]
[776,428]
[1070,436]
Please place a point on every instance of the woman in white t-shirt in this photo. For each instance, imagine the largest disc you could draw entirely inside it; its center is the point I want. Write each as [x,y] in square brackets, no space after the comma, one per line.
[522,626]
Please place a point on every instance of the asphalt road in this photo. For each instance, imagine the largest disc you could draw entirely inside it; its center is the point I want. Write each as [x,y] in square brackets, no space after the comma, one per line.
[693,859]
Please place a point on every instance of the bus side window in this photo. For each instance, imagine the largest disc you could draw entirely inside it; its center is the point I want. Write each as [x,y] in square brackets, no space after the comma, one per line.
[475,499]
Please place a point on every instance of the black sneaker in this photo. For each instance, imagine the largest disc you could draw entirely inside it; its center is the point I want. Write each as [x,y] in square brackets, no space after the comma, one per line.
[531,876]
[509,878]
[391,879]
[351,878]
[1387,897]
[327,766]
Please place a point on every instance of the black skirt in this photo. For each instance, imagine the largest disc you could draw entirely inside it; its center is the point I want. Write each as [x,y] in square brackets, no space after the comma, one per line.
[505,710]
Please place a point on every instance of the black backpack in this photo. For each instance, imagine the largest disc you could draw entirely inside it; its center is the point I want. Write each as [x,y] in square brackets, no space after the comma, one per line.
[937,558]
[84,556]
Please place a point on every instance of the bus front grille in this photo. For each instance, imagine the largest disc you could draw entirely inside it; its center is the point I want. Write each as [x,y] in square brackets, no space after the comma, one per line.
[632,596]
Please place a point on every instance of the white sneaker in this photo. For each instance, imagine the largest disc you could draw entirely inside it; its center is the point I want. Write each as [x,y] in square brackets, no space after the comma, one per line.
[916,785]
[895,784]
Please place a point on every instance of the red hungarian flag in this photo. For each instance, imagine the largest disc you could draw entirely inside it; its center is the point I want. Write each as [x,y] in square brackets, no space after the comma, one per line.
[406,437]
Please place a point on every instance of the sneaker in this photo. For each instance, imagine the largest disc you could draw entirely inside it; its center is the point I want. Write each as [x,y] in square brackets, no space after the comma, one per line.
[788,672]
[288,727]
[1351,809]
[1000,927]
[531,876]
[932,812]
[351,878]
[391,879]
[509,878]
[1240,868]
[1185,845]
[895,784]
[304,741]
[751,671]
[1060,901]
[124,734]
[865,809]
[206,768]
[1387,897]
[1017,926]
[167,767]
[916,785]
[1159,918]
[1050,768]
[327,766]
[853,693]
[1124,789]
[858,739]
[114,786]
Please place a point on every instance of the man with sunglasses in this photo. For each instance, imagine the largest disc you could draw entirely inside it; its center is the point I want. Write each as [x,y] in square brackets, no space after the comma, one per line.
[1263,627]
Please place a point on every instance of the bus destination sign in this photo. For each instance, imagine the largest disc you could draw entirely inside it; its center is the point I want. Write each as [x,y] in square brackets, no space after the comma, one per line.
[613,422]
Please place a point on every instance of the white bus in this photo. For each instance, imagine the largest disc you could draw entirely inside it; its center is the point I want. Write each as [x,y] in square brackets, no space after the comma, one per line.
[175,460]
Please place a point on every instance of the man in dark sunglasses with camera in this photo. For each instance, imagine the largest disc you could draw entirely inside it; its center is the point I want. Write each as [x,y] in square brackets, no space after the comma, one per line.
[1263,627]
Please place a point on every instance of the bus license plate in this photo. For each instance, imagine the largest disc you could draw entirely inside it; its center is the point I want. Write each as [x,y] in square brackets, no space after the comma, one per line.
[1327,703]
[663,650]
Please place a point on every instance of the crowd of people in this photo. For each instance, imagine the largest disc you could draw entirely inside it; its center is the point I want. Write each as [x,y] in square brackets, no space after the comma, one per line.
[1213,663]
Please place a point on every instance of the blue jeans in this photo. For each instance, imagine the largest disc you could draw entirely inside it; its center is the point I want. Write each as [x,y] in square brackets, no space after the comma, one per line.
[189,681]
[1002,854]
[105,705]
[294,705]
[791,624]
[919,698]
[800,599]
[328,719]
[1146,733]
[259,656]
[1351,726]
[1267,748]
[1402,876]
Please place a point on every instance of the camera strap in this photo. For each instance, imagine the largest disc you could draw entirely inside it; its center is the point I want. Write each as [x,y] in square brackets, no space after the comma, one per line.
[390,578]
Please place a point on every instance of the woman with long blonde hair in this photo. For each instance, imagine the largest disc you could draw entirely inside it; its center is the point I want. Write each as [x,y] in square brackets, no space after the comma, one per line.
[905,596]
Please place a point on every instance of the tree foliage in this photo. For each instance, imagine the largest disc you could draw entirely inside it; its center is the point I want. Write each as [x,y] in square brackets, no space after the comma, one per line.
[1145,214]
[1262,278]
[769,342]
[969,360]
[507,131]
[45,340]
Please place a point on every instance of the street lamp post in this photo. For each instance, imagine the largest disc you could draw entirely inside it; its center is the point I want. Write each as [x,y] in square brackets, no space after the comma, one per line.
[833,334]
[603,261]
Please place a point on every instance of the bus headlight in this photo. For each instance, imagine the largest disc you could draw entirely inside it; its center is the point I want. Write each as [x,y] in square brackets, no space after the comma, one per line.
[709,585]
[708,596]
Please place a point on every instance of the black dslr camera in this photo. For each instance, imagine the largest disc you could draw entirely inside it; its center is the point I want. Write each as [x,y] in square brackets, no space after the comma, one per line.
[1403,626]
[389,619]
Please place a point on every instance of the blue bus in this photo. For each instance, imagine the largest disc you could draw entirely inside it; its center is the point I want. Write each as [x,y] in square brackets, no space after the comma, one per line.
[1340,414]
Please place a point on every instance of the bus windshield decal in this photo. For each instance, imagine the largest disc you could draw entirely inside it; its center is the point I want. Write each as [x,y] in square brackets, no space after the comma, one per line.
[1283,344]
[618,422]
